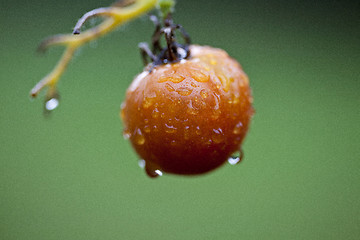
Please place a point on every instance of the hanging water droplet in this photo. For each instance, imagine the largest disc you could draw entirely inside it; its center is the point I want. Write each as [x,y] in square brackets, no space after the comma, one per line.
[51,104]
[141,163]
[233,160]
[153,173]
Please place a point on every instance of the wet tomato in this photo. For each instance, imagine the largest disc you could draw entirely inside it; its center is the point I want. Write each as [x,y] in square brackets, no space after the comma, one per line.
[188,117]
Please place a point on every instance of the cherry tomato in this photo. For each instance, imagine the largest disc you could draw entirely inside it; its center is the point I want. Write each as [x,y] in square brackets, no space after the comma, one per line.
[188,117]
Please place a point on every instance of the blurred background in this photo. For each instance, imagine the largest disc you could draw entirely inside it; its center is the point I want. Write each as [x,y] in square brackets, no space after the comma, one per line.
[73,176]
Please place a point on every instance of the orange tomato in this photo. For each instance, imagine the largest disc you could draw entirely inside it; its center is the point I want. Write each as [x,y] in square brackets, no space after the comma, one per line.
[188,117]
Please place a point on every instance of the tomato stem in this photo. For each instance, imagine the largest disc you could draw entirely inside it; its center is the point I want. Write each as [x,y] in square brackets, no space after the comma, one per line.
[173,51]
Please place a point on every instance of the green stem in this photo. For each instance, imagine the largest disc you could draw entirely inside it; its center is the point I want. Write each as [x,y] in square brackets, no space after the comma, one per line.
[166,7]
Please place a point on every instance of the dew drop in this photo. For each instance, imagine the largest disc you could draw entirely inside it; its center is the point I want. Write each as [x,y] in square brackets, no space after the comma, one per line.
[170,128]
[236,100]
[169,87]
[126,134]
[52,104]
[148,102]
[190,108]
[186,132]
[218,135]
[141,163]
[155,113]
[216,115]
[147,128]
[233,160]
[139,137]
[197,130]
[203,93]
[158,172]
[238,128]
[200,75]
[173,143]
[171,77]
[192,111]
[184,91]
[193,85]
[153,173]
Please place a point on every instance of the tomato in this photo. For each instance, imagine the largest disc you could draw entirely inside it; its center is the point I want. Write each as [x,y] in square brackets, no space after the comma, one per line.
[188,117]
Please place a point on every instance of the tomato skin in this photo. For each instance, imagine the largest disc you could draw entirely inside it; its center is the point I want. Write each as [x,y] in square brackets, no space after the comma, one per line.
[189,117]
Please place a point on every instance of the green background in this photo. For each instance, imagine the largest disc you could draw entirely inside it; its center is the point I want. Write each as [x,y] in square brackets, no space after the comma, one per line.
[73,176]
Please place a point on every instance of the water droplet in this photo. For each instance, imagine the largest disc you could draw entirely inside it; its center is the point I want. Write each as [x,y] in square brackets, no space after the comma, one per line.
[171,77]
[52,104]
[153,173]
[191,109]
[200,75]
[215,115]
[184,91]
[203,93]
[238,128]
[197,130]
[169,87]
[141,163]
[155,113]
[148,102]
[139,137]
[218,135]
[126,134]
[147,128]
[187,132]
[170,128]
[236,159]
[233,160]
[236,100]
[216,101]
[193,85]
[173,143]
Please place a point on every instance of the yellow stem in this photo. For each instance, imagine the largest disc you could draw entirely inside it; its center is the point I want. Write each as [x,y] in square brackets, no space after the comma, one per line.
[117,16]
